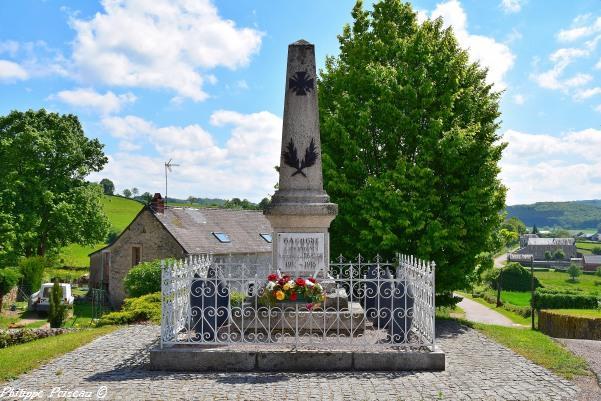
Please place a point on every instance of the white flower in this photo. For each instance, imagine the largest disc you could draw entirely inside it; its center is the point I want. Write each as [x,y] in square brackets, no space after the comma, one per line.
[291,283]
[270,285]
[309,284]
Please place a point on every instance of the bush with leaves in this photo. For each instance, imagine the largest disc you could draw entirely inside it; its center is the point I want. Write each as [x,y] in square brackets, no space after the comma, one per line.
[135,310]
[58,309]
[564,299]
[514,277]
[9,278]
[596,250]
[32,272]
[143,279]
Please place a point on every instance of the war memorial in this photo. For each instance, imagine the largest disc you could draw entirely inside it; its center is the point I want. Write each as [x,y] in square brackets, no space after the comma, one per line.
[304,312]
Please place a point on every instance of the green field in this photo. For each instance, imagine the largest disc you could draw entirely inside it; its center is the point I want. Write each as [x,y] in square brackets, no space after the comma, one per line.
[516,298]
[120,212]
[586,247]
[562,281]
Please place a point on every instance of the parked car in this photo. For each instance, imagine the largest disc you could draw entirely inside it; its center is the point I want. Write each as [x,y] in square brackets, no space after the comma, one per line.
[40,301]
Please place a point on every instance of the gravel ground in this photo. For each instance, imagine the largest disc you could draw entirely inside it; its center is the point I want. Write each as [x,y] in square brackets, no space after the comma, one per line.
[591,351]
[116,366]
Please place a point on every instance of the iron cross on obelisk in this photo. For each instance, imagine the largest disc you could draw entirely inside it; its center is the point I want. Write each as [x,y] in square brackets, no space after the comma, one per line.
[300,212]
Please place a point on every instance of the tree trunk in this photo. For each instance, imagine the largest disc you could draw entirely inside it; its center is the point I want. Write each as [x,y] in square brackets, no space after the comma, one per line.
[499,291]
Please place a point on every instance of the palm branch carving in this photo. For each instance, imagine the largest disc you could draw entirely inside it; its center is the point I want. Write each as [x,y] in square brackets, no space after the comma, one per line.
[292,160]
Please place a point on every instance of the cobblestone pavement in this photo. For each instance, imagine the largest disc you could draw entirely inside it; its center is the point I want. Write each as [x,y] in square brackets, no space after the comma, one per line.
[477,369]
[589,350]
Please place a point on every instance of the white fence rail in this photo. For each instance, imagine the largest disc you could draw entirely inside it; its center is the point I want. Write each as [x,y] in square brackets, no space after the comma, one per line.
[355,304]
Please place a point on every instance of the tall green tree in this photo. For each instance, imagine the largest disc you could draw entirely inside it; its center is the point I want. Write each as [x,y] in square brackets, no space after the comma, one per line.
[108,186]
[58,309]
[410,144]
[44,159]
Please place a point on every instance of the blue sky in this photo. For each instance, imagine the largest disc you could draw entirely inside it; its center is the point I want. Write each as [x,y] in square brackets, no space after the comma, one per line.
[203,82]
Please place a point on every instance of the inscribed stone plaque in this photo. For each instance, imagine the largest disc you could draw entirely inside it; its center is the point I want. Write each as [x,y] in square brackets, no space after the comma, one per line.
[301,253]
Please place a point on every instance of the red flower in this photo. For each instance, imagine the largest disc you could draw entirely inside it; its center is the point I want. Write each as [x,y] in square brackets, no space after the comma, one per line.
[286,279]
[272,277]
[282,281]
[309,306]
[312,279]
[300,281]
[293,296]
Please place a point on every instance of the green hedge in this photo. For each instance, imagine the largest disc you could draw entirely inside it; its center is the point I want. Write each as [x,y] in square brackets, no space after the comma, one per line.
[567,299]
[134,310]
[21,336]
[143,279]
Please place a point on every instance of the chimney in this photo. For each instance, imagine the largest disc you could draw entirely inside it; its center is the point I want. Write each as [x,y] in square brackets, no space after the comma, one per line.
[157,204]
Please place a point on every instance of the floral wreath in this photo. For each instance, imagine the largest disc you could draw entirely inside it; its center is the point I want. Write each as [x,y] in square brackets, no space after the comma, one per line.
[285,288]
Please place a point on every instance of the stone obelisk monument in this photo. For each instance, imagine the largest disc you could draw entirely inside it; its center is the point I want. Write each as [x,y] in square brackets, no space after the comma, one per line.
[300,212]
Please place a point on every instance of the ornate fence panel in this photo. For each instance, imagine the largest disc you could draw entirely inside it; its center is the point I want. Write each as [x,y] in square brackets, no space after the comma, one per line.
[355,304]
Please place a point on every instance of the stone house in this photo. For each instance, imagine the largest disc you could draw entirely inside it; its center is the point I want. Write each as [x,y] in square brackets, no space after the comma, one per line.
[590,263]
[539,246]
[160,232]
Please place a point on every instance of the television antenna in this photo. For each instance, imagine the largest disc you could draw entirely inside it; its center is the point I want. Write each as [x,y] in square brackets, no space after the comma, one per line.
[168,166]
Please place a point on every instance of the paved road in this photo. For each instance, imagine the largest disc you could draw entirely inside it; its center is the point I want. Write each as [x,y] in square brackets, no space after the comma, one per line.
[478,313]
[500,260]
[477,369]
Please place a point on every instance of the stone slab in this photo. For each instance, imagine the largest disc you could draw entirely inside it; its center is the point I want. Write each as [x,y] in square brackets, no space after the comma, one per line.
[198,359]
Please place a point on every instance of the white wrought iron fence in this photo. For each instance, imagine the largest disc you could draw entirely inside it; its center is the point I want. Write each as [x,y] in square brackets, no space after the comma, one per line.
[355,304]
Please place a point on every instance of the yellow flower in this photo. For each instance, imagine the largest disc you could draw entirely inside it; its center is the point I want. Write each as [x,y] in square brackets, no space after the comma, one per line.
[280,295]
[286,286]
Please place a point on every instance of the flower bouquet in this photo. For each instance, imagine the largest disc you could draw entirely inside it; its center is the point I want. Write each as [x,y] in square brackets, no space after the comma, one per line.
[285,288]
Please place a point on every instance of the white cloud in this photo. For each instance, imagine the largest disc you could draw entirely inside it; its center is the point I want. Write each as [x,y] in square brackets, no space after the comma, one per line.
[579,29]
[587,93]
[495,56]
[598,65]
[598,108]
[553,168]
[562,58]
[511,6]
[519,99]
[11,71]
[160,44]
[242,166]
[90,99]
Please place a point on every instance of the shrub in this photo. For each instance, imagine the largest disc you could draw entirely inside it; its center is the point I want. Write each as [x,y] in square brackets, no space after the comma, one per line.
[596,250]
[134,310]
[20,336]
[143,279]
[574,271]
[514,277]
[8,280]
[237,298]
[557,299]
[58,309]
[559,255]
[32,270]
[112,236]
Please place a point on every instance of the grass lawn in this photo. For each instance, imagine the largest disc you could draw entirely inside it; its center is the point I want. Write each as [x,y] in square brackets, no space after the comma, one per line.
[18,359]
[120,211]
[586,247]
[516,298]
[82,315]
[561,280]
[596,313]
[538,348]
[514,317]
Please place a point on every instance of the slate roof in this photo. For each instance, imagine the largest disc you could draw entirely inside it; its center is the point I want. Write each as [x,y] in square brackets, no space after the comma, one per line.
[593,259]
[193,229]
[551,241]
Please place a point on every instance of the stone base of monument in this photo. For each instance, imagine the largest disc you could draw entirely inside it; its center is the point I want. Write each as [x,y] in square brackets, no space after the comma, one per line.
[196,358]
[288,317]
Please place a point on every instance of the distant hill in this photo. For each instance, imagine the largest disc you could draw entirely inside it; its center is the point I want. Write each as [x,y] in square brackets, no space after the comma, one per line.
[569,215]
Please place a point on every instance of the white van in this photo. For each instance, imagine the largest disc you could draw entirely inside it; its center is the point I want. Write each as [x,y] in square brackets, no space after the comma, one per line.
[40,301]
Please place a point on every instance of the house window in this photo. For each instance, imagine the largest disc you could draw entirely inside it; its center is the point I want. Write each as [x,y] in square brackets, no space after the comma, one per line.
[222,237]
[266,237]
[136,254]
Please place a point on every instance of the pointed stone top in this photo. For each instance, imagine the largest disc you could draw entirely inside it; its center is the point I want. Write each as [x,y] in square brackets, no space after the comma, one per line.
[302,42]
